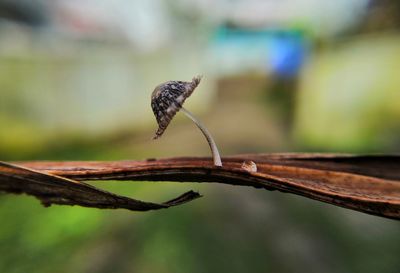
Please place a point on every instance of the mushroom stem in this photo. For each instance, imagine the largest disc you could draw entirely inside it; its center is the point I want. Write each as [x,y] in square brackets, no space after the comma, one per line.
[206,133]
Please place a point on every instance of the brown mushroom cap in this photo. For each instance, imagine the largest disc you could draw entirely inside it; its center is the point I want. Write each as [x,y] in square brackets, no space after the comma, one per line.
[167,99]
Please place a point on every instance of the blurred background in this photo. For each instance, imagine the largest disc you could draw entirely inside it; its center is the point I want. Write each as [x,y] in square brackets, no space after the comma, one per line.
[279,76]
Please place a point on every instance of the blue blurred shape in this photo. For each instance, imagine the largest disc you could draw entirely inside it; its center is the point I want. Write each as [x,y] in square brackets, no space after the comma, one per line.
[288,52]
[281,52]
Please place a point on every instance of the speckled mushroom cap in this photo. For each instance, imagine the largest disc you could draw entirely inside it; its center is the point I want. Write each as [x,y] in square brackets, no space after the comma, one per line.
[167,99]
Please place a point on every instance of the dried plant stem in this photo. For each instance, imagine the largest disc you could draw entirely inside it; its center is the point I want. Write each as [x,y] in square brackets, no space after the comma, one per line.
[206,133]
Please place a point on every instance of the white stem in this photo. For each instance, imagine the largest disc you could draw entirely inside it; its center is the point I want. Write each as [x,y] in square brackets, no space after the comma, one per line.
[206,133]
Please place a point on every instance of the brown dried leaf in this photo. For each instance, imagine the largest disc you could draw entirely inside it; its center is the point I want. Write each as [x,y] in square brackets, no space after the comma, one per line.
[369,184]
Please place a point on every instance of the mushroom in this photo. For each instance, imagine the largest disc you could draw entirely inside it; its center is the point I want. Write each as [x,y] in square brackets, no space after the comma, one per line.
[167,99]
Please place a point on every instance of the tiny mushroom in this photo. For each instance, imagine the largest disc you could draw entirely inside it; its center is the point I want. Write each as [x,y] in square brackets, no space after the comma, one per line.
[167,99]
[249,166]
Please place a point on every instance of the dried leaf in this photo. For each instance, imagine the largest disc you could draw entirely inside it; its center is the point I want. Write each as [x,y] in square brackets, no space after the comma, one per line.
[369,184]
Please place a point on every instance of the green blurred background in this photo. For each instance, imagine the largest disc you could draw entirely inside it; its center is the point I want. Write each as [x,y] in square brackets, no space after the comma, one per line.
[279,76]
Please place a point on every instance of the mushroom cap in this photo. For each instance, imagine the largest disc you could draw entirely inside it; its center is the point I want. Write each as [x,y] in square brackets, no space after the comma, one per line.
[167,99]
